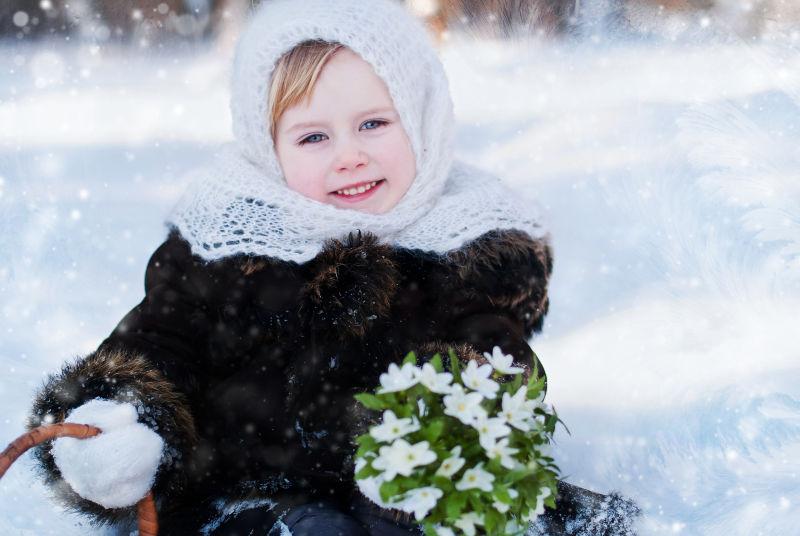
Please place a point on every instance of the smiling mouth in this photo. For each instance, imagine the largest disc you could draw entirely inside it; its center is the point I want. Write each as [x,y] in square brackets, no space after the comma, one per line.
[359,191]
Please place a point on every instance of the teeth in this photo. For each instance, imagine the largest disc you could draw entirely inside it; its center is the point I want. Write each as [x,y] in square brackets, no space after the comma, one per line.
[360,190]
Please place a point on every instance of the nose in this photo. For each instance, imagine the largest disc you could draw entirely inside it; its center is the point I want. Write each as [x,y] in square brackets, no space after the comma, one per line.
[349,156]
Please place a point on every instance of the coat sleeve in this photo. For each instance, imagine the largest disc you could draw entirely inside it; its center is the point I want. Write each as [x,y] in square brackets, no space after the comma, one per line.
[495,294]
[149,360]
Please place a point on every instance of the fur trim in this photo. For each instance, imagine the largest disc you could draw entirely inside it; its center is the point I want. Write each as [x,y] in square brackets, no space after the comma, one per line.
[509,267]
[252,265]
[352,282]
[114,375]
[466,353]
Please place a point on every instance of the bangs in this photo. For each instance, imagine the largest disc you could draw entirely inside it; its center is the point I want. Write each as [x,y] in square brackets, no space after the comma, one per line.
[295,75]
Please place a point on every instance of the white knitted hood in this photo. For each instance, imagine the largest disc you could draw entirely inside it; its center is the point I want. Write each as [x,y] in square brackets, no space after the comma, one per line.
[241,203]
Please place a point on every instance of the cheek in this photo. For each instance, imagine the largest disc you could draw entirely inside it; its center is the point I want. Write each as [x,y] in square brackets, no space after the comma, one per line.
[400,160]
[304,173]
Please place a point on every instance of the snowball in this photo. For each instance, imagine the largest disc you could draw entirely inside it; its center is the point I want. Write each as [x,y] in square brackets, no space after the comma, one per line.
[105,414]
[116,468]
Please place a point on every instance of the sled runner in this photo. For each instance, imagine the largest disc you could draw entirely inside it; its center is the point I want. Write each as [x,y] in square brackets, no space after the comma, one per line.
[146,508]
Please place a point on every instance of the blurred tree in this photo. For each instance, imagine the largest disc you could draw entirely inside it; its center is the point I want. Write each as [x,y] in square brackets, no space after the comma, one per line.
[152,22]
[138,21]
[497,17]
[35,18]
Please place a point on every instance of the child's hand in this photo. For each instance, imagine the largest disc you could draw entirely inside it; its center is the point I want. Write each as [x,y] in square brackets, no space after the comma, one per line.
[116,468]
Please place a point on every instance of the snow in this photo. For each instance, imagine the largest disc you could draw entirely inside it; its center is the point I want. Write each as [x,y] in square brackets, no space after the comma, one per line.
[667,170]
[116,468]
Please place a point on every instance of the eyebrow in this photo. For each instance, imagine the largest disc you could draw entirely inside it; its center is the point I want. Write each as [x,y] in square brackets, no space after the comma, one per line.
[309,124]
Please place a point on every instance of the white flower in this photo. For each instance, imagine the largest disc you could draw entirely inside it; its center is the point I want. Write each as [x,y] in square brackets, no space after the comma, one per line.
[503,451]
[502,362]
[444,531]
[371,486]
[401,458]
[516,409]
[475,478]
[451,465]
[438,382]
[397,378]
[420,501]
[423,409]
[467,523]
[462,405]
[537,402]
[489,429]
[501,506]
[477,379]
[392,427]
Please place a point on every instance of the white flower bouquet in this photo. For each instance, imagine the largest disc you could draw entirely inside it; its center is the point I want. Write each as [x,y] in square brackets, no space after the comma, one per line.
[464,450]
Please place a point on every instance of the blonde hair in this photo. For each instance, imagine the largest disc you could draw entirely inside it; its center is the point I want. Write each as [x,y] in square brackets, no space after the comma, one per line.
[295,75]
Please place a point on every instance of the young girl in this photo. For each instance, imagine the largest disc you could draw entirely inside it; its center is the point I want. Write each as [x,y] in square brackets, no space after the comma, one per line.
[332,237]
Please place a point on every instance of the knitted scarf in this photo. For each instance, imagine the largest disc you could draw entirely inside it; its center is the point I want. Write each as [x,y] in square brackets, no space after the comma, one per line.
[241,202]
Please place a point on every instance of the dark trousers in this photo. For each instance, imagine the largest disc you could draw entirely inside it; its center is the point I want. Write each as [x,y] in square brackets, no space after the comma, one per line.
[356,516]
[319,518]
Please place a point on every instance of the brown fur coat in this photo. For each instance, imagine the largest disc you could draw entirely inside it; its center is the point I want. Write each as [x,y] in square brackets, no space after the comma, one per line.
[246,366]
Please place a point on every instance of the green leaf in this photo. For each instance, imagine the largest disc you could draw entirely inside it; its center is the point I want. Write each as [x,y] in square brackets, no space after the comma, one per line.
[502,495]
[517,474]
[370,401]
[494,466]
[406,410]
[389,490]
[363,450]
[529,489]
[535,371]
[455,366]
[516,384]
[366,472]
[555,421]
[493,520]
[408,482]
[535,387]
[474,500]
[366,440]
[390,400]
[436,362]
[436,515]
[433,430]
[471,447]
[454,504]
[410,357]
[443,483]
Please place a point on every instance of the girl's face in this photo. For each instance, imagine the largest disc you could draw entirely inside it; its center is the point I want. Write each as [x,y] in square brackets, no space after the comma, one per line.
[346,145]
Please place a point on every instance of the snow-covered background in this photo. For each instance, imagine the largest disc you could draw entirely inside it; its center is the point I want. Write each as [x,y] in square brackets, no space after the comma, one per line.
[668,167]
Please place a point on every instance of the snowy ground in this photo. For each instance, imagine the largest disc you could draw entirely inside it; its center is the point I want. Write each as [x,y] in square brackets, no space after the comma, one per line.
[669,176]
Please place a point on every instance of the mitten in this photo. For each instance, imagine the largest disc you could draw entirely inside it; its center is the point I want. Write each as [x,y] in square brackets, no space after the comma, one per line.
[116,468]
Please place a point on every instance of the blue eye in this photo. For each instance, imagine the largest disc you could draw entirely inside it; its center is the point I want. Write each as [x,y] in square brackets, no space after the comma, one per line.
[313,138]
[377,122]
